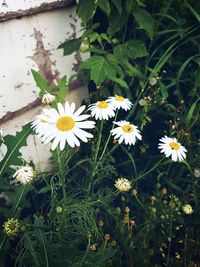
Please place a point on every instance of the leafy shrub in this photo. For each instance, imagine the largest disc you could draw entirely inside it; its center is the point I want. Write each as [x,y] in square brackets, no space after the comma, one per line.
[81,213]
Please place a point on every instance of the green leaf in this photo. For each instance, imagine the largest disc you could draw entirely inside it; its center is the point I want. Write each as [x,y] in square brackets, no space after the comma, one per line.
[100,69]
[118,5]
[144,20]
[41,83]
[120,51]
[163,91]
[131,49]
[94,36]
[105,37]
[63,90]
[129,6]
[184,65]
[135,49]
[121,82]
[85,9]
[14,143]
[196,15]
[131,70]
[113,61]
[190,113]
[197,78]
[104,5]
[70,46]
[117,22]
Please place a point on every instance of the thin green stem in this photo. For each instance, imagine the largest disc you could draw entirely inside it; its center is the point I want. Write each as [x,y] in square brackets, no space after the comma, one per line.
[19,199]
[170,238]
[98,141]
[96,164]
[45,251]
[86,253]
[139,202]
[2,242]
[61,175]
[108,140]
[132,160]
[149,171]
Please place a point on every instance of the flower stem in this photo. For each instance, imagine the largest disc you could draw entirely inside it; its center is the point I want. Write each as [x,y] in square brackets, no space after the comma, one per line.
[170,238]
[61,175]
[19,199]
[149,171]
[99,141]
[108,140]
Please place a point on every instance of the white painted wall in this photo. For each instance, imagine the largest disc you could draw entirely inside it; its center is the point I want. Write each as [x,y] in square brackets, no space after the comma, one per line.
[20,39]
[18,47]
[14,5]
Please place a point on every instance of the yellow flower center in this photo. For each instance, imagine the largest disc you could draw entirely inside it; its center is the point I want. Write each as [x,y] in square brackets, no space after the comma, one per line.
[119,98]
[174,145]
[102,104]
[12,226]
[127,128]
[65,123]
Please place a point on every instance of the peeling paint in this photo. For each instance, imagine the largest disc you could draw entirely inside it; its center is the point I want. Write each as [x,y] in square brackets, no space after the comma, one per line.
[31,43]
[42,58]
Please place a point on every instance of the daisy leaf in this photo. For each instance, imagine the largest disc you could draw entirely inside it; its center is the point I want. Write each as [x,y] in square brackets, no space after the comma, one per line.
[14,143]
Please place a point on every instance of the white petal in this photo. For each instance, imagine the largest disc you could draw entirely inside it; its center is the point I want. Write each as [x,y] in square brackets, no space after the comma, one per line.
[81,117]
[174,155]
[62,143]
[61,109]
[85,124]
[55,143]
[79,111]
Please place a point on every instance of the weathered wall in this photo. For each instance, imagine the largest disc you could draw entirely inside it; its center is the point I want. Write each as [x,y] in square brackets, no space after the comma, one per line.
[31,43]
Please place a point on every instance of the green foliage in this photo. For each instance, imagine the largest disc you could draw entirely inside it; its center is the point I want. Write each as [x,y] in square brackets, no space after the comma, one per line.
[86,13]
[100,68]
[144,20]
[59,91]
[73,215]
[41,83]
[70,46]
[14,143]
[63,89]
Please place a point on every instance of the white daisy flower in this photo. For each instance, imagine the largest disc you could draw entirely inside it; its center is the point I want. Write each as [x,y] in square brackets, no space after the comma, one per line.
[48,98]
[40,123]
[64,125]
[171,147]
[120,102]
[25,175]
[126,132]
[102,110]
[123,184]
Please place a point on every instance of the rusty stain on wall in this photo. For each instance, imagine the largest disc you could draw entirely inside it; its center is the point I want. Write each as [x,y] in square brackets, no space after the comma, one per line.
[43,60]
[77,54]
